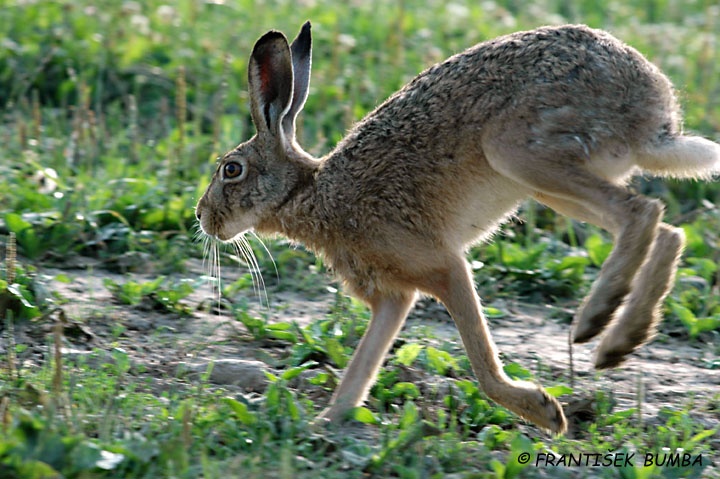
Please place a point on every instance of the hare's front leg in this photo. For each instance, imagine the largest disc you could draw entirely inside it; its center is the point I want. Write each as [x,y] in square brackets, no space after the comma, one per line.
[388,315]
[454,287]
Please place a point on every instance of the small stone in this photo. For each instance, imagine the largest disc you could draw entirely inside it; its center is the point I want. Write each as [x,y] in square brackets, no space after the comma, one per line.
[247,374]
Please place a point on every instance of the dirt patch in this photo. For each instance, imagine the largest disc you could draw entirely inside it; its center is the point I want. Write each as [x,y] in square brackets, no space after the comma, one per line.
[666,373]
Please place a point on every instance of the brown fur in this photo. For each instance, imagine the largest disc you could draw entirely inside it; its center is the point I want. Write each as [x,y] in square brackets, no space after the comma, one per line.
[562,114]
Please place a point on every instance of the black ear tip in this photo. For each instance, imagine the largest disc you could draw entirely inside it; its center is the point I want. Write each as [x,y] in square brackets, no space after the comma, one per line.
[272,35]
[271,40]
[305,31]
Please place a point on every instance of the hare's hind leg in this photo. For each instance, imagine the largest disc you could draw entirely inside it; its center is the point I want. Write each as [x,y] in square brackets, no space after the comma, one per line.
[562,177]
[388,315]
[637,320]
[453,286]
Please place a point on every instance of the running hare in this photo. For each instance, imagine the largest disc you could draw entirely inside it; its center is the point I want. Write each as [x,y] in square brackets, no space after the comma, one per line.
[565,115]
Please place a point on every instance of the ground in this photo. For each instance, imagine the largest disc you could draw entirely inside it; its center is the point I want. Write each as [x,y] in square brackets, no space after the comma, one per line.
[172,348]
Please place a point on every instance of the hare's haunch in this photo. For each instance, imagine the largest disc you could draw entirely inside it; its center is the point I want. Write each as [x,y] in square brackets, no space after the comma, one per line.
[565,115]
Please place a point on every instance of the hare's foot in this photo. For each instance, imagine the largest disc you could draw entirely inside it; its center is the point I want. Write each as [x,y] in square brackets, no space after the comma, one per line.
[569,186]
[597,311]
[636,322]
[530,401]
[333,414]
[617,277]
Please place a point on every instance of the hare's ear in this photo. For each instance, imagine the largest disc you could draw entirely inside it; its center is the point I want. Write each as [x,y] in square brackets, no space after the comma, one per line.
[270,76]
[300,49]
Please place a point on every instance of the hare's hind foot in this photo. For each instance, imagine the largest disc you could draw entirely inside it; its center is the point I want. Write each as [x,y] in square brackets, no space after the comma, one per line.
[615,282]
[637,320]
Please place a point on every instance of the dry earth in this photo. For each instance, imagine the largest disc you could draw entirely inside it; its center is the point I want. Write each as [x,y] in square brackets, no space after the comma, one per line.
[669,372]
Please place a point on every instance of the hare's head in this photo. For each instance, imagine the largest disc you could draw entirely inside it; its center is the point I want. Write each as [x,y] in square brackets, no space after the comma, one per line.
[258,176]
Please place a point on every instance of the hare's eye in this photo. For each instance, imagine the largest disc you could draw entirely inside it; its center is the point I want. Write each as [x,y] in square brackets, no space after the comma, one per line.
[232,170]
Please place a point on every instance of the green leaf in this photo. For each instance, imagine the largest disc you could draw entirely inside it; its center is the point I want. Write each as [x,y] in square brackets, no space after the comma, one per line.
[707,324]
[405,390]
[704,267]
[63,278]
[687,317]
[499,468]
[281,331]
[439,361]
[521,445]
[16,290]
[16,223]
[25,234]
[557,391]
[292,407]
[598,249]
[494,313]
[515,371]
[703,435]
[292,373]
[336,352]
[408,353]
[620,415]
[364,415]
[695,243]
[288,336]
[410,415]
[241,411]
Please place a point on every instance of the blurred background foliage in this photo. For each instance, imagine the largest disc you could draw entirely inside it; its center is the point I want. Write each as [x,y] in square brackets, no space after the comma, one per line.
[113,113]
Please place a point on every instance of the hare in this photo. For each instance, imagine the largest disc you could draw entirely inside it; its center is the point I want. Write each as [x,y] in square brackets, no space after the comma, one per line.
[565,115]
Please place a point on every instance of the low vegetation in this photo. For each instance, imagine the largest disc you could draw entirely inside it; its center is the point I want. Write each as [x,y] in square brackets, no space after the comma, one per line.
[113,114]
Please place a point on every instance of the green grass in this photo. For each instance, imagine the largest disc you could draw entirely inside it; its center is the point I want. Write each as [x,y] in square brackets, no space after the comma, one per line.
[113,114]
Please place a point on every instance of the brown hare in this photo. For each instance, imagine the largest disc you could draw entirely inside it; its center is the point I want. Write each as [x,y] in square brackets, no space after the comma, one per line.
[565,115]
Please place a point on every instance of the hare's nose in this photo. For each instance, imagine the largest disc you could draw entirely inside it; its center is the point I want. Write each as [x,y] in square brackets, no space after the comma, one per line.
[197,214]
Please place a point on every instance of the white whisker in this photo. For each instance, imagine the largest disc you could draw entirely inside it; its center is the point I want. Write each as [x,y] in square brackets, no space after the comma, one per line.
[277,273]
[246,251]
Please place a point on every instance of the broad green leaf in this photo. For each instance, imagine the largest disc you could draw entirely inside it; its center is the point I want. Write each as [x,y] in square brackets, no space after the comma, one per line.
[515,371]
[598,249]
[408,353]
[620,415]
[557,391]
[292,373]
[439,361]
[16,223]
[16,290]
[405,390]
[704,267]
[336,352]
[494,313]
[410,415]
[703,435]
[241,411]
[521,455]
[364,415]
[707,324]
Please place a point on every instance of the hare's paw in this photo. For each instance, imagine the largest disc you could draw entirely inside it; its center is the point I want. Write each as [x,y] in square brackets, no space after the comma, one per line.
[632,329]
[332,415]
[613,351]
[596,312]
[533,403]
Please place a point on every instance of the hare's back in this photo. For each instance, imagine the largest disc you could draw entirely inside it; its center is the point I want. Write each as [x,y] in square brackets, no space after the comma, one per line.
[570,78]
[576,91]
[577,77]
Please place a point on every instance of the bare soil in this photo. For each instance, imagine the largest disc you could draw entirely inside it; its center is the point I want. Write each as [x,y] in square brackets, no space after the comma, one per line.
[670,372]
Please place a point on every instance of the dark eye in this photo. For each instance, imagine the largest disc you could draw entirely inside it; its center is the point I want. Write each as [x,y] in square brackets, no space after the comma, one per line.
[232,170]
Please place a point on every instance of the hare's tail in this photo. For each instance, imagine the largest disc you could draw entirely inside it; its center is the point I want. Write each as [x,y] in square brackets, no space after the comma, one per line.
[682,157]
